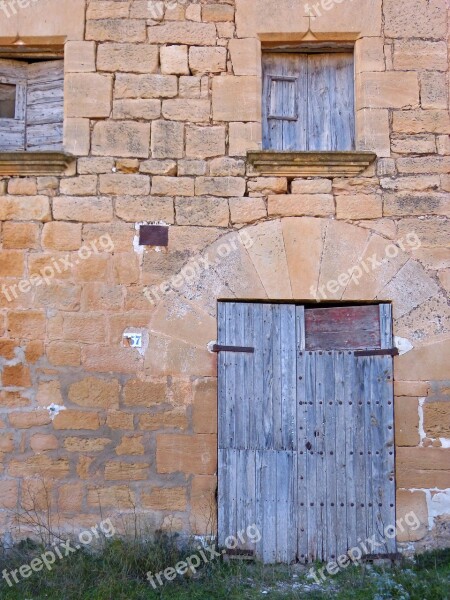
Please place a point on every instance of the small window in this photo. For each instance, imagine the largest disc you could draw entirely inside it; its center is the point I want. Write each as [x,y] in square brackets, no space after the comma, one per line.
[308,101]
[31,105]
[7,101]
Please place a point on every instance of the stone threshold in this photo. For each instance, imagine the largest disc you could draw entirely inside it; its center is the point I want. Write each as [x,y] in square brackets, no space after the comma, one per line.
[310,164]
[34,163]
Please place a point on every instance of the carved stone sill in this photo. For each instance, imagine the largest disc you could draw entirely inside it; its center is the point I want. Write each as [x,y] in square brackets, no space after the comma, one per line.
[310,164]
[34,163]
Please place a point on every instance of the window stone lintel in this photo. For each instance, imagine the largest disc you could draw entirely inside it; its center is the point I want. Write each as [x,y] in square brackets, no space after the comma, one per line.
[310,164]
[34,163]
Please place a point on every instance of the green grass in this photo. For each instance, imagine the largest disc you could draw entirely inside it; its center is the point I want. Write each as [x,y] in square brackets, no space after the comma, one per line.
[117,572]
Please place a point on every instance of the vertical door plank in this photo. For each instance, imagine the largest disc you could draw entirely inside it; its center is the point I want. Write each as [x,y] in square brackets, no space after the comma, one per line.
[284,500]
[288,378]
[302,431]
[277,425]
[340,470]
[222,373]
[310,453]
[330,417]
[223,496]
[386,325]
[257,437]
[343,102]
[320,103]
[368,402]
[360,448]
[322,376]
[267,375]
[231,361]
[240,402]
[248,414]
[351,449]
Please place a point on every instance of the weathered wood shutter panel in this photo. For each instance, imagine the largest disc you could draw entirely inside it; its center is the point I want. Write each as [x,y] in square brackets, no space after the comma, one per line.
[285,101]
[12,131]
[308,101]
[45,106]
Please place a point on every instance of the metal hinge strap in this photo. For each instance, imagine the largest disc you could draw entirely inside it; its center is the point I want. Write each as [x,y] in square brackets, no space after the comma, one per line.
[220,348]
[384,352]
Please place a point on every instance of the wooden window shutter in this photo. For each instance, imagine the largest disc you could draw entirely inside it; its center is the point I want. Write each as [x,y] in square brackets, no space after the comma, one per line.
[45,106]
[308,101]
[13,80]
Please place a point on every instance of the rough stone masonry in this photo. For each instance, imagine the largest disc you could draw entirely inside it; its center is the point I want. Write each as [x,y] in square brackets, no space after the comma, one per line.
[160,111]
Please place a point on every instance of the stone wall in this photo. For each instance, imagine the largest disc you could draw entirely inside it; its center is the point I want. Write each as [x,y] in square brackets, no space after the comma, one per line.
[162,103]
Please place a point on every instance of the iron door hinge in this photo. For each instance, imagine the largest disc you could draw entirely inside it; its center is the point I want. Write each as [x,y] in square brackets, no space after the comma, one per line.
[221,348]
[384,352]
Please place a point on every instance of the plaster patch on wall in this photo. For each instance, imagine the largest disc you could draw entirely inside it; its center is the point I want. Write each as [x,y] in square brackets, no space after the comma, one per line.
[445,442]
[54,410]
[439,503]
[210,345]
[421,427]
[130,339]
[403,345]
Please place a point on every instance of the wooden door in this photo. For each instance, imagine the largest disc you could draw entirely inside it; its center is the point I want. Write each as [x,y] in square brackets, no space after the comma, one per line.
[306,440]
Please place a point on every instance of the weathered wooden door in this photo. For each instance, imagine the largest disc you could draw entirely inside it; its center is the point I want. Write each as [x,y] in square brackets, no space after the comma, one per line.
[306,440]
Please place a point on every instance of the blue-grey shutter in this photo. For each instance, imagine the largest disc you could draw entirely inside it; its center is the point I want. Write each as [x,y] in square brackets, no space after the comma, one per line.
[308,101]
[12,130]
[45,106]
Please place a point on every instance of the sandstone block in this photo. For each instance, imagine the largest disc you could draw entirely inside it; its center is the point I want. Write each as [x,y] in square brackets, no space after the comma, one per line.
[408,504]
[412,55]
[373,131]
[171,186]
[29,324]
[226,166]
[428,164]
[359,206]
[369,55]
[130,58]
[410,388]
[90,444]
[443,144]
[433,90]
[437,419]
[130,445]
[167,139]
[189,454]
[158,167]
[265,186]
[11,263]
[314,205]
[147,110]
[205,142]
[124,471]
[16,376]
[311,186]
[174,60]
[203,504]
[407,421]
[168,419]
[203,34]
[145,86]
[205,406]
[26,420]
[420,183]
[115,496]
[41,442]
[236,98]
[25,186]
[205,211]
[70,497]
[118,184]
[192,167]
[204,59]
[245,56]
[88,95]
[421,121]
[144,208]
[107,9]
[125,268]
[116,419]
[40,464]
[220,186]
[61,236]
[247,210]
[105,359]
[9,493]
[87,210]
[388,90]
[244,137]
[76,419]
[79,57]
[116,30]
[121,138]
[197,111]
[17,236]
[88,166]
[418,18]
[144,393]
[217,12]
[173,498]
[84,185]
[419,144]
[92,392]
[23,208]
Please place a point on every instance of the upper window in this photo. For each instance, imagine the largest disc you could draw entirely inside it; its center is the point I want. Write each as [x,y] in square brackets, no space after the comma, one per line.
[308,101]
[31,105]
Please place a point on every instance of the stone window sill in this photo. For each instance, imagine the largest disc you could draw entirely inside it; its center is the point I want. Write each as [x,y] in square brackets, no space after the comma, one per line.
[34,163]
[310,164]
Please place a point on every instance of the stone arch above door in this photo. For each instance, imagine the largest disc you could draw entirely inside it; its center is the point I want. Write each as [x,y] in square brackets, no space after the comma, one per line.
[293,258]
